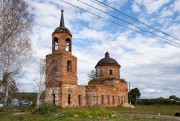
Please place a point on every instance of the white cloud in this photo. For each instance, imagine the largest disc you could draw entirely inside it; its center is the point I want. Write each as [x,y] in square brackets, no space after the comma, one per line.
[176,6]
[151,5]
[136,8]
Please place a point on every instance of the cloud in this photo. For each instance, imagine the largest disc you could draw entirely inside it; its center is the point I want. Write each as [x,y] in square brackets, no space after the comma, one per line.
[151,6]
[136,8]
[176,6]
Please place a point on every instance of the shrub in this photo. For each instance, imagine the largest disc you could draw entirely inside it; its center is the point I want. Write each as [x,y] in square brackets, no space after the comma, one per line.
[44,109]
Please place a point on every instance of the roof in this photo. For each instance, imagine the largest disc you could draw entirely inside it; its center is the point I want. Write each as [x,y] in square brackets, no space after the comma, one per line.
[62,28]
[107,61]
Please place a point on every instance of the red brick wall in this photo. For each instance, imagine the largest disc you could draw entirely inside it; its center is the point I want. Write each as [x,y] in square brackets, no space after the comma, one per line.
[74,91]
[106,69]
[60,73]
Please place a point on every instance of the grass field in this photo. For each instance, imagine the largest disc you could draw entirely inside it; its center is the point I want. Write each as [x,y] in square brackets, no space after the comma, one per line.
[90,114]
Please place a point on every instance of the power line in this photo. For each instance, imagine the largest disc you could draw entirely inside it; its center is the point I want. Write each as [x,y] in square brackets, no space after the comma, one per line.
[120,24]
[137,20]
[110,14]
[127,22]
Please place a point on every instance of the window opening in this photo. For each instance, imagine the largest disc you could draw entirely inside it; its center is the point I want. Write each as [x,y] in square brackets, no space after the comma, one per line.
[113,101]
[54,99]
[55,43]
[80,99]
[69,66]
[68,45]
[108,99]
[110,72]
[54,64]
[122,100]
[101,73]
[102,99]
[119,99]
[69,98]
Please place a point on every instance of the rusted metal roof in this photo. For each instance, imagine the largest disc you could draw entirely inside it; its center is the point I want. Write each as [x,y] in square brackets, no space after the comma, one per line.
[62,28]
[107,61]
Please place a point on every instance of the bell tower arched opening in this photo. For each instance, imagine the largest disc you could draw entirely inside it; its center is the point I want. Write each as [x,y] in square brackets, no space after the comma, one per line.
[68,45]
[55,44]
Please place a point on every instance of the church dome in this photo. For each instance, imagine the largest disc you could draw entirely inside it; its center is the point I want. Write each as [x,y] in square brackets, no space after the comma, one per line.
[107,61]
[62,28]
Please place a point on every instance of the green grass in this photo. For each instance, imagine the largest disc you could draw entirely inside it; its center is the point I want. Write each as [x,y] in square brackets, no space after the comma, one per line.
[169,110]
[90,114]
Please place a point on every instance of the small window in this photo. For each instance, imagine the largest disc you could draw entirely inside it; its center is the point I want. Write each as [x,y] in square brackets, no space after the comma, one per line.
[102,99]
[80,99]
[69,66]
[113,100]
[54,99]
[108,99]
[122,99]
[55,43]
[110,72]
[68,45]
[119,100]
[101,73]
[69,98]
[54,64]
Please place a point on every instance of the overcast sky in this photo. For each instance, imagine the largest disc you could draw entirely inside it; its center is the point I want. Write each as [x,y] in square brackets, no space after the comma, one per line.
[147,63]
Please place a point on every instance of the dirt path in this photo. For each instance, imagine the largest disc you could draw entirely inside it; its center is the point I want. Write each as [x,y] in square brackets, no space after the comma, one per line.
[173,118]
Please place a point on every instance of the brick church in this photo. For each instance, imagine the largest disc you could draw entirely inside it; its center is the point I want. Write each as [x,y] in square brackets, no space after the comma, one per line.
[62,88]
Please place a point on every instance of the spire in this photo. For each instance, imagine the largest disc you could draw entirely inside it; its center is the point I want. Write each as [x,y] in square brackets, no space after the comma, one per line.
[62,25]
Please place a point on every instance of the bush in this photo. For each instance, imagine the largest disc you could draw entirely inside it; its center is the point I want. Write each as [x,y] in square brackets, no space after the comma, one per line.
[44,109]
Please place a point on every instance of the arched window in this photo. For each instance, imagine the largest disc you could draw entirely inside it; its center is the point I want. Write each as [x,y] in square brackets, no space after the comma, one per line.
[80,99]
[69,98]
[54,65]
[122,99]
[108,99]
[102,99]
[119,100]
[54,99]
[55,43]
[68,45]
[69,66]
[110,72]
[113,100]
[101,73]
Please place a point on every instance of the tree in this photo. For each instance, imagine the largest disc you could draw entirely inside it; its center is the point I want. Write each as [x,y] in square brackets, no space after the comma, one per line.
[173,97]
[15,46]
[15,20]
[41,80]
[134,94]
[92,75]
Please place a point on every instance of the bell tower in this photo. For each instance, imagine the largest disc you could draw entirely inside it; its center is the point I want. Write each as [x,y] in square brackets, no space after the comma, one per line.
[61,38]
[61,65]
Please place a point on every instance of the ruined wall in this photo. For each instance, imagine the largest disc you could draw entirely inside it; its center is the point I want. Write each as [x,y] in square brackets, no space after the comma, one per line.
[107,96]
[53,95]
[73,96]
[91,95]
[122,88]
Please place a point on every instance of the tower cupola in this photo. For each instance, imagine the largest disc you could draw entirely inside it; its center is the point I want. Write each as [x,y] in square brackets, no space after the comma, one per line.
[61,38]
[62,28]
